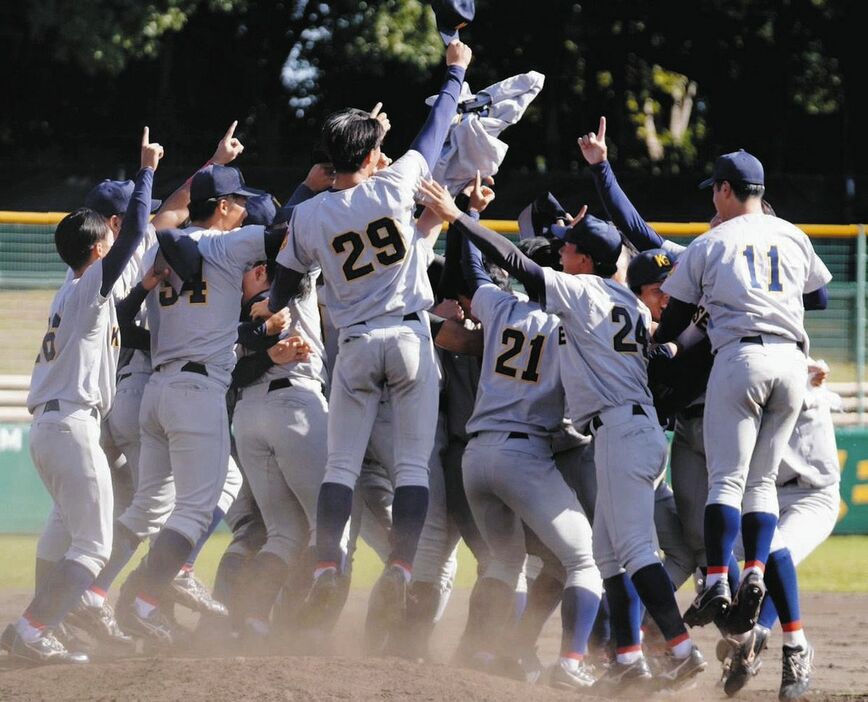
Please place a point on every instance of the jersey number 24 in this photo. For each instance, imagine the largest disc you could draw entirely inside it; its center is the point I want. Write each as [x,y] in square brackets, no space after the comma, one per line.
[383,236]
[620,315]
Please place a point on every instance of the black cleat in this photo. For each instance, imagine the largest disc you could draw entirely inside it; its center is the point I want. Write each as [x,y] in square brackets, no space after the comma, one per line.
[744,661]
[156,628]
[187,591]
[709,604]
[320,599]
[386,608]
[796,672]
[623,676]
[678,671]
[100,623]
[45,650]
[745,609]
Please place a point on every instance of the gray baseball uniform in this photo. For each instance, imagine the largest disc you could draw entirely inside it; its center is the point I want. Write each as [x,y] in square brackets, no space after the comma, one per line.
[185,427]
[72,385]
[509,472]
[750,272]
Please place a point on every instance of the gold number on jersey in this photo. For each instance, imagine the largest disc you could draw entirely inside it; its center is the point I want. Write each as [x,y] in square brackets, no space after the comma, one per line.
[48,351]
[620,315]
[197,287]
[383,235]
[513,340]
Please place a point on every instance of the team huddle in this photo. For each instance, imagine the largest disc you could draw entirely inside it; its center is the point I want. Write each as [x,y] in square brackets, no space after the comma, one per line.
[313,373]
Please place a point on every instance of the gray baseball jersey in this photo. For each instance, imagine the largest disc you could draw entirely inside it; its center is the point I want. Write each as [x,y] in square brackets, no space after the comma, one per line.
[520,383]
[364,239]
[199,322]
[606,333]
[78,358]
[752,270]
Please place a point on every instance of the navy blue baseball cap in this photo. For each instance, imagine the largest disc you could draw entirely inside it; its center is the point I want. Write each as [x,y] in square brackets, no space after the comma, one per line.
[218,181]
[112,197]
[451,16]
[593,236]
[651,266]
[737,167]
[181,252]
[261,209]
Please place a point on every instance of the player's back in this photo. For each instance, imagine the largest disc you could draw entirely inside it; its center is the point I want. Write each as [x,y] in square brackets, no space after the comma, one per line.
[605,326]
[199,322]
[77,359]
[364,239]
[755,271]
[520,382]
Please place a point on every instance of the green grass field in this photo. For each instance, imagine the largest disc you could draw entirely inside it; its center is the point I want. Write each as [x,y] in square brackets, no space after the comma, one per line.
[839,565]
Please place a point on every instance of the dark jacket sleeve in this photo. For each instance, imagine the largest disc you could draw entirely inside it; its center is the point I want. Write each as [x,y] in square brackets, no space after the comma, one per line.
[132,230]
[429,141]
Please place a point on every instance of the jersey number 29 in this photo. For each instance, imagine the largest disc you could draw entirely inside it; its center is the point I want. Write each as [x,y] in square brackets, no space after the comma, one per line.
[383,235]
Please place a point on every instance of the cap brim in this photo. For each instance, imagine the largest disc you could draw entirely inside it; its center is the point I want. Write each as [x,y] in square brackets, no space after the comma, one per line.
[155,205]
[559,231]
[248,192]
[448,35]
[707,183]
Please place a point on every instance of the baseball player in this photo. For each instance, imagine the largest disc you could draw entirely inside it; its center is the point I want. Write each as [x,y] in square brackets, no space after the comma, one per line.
[362,236]
[185,430]
[605,329]
[72,386]
[751,272]
[152,502]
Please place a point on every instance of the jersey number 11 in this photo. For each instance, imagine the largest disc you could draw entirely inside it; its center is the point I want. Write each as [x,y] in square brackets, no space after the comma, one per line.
[774,284]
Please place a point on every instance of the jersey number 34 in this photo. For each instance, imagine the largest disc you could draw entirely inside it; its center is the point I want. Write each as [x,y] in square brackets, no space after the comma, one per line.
[383,236]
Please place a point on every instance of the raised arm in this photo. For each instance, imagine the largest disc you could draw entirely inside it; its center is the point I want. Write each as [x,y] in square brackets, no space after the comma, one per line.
[496,247]
[135,222]
[175,209]
[429,141]
[615,201]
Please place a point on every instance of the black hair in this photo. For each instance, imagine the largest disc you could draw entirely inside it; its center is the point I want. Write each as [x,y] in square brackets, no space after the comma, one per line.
[349,136]
[605,270]
[77,233]
[200,210]
[743,191]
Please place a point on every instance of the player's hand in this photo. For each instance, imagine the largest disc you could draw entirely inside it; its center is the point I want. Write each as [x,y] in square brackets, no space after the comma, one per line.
[449,309]
[593,146]
[151,153]
[383,162]
[573,221]
[480,194]
[155,276]
[228,148]
[320,177]
[458,54]
[381,117]
[278,322]
[259,310]
[289,350]
[818,372]
[439,201]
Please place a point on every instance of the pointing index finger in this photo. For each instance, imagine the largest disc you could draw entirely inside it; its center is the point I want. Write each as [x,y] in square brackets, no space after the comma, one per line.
[376,110]
[601,130]
[231,131]
[146,137]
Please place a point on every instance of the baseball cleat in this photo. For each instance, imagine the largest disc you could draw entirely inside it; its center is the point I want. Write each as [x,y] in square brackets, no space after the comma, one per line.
[796,672]
[622,676]
[709,604]
[187,591]
[527,667]
[678,671]
[745,662]
[320,598]
[45,650]
[100,623]
[155,628]
[745,608]
[386,607]
[568,678]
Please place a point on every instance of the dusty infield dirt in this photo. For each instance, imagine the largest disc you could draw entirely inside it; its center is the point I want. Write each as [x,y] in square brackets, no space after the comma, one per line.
[835,626]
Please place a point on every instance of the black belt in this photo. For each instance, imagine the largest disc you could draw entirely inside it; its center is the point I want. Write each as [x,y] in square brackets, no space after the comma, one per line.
[412,317]
[54,406]
[693,412]
[757,339]
[281,383]
[123,376]
[512,435]
[194,367]
[596,422]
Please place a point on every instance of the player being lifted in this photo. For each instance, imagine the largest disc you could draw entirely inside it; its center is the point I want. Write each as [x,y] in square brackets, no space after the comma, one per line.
[362,235]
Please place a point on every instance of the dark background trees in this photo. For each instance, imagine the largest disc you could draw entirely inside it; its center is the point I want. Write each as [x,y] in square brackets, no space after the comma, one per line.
[679,82]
